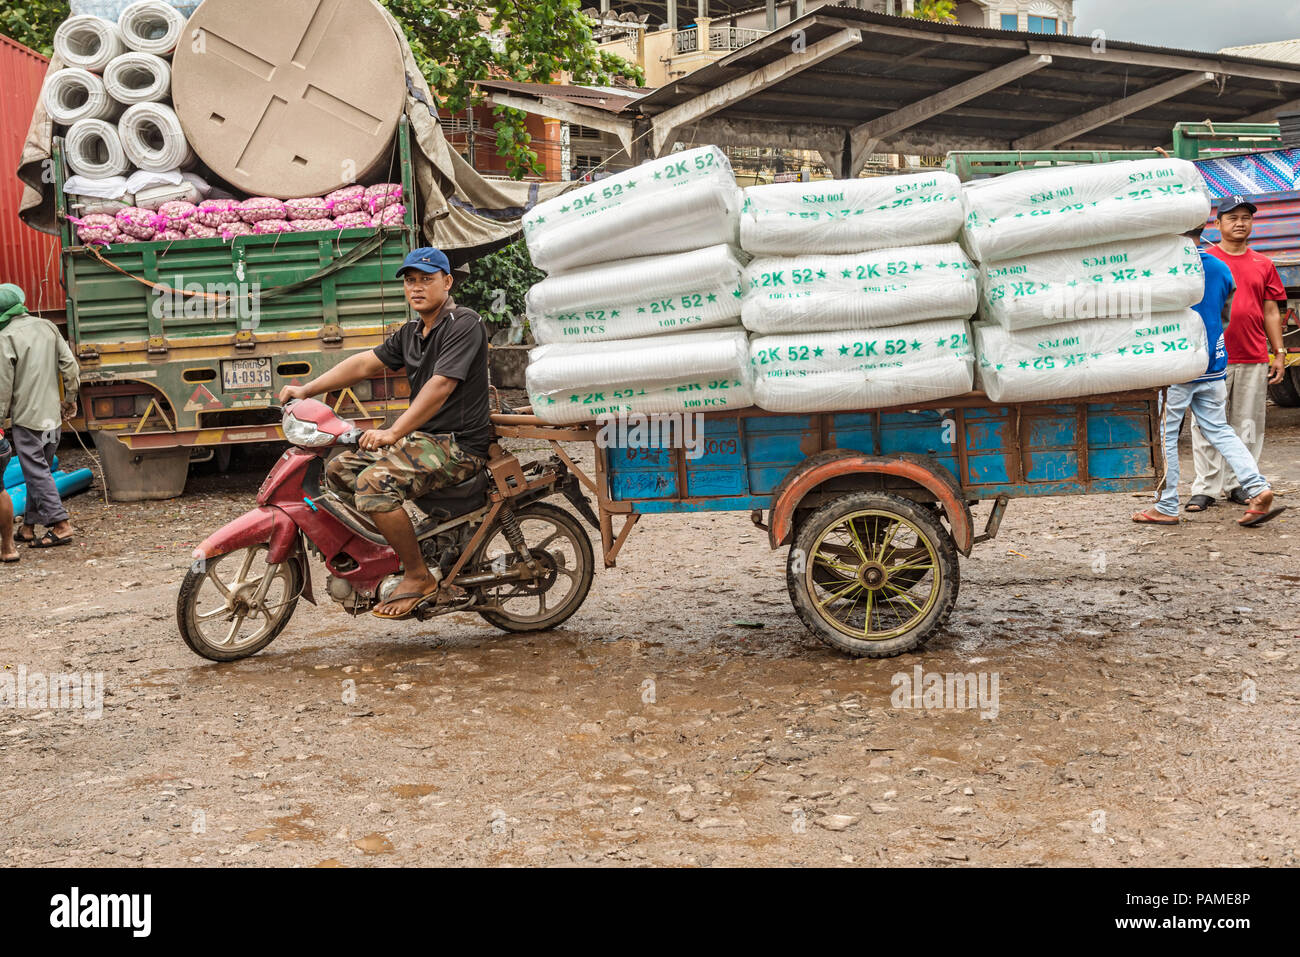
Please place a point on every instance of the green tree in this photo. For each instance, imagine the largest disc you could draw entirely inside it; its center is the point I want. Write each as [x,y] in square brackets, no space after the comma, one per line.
[33,22]
[455,42]
[497,283]
[940,11]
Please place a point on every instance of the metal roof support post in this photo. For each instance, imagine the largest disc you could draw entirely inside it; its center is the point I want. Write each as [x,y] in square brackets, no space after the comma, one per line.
[667,123]
[1076,126]
[672,16]
[867,135]
[702,8]
[604,6]
[771,14]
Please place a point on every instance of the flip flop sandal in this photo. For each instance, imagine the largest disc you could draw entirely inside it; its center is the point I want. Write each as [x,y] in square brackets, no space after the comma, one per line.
[1199,503]
[1261,516]
[1146,518]
[50,540]
[25,539]
[421,599]
[10,561]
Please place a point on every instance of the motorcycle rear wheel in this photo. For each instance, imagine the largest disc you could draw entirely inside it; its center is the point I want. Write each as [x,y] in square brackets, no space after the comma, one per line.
[234,605]
[560,540]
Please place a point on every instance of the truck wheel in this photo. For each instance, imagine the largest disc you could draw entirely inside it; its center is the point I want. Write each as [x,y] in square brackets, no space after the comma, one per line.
[561,543]
[1287,392]
[236,604]
[873,574]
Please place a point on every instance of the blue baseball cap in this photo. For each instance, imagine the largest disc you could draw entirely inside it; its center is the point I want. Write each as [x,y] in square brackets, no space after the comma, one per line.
[427,259]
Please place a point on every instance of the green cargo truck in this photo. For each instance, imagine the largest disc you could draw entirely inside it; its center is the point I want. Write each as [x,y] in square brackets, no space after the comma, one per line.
[185,345]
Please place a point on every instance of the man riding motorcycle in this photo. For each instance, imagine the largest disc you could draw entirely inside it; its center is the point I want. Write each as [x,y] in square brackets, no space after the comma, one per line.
[440,440]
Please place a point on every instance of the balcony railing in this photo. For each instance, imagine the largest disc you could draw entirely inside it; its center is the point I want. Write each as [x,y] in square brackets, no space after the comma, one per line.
[724,39]
[732,38]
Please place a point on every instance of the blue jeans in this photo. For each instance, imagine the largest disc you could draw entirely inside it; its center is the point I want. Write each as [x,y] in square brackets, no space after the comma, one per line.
[1208,403]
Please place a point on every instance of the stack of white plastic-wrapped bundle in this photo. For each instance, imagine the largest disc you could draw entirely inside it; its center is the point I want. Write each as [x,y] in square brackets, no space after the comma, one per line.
[640,309]
[859,295]
[1086,282]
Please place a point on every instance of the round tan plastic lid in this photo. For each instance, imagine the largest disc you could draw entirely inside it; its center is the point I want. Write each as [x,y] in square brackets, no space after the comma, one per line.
[289,98]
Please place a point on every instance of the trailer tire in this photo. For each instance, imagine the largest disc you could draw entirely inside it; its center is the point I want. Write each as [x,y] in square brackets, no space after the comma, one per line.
[1287,392]
[876,588]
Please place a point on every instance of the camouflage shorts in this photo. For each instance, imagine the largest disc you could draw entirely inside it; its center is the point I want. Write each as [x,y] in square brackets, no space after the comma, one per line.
[382,480]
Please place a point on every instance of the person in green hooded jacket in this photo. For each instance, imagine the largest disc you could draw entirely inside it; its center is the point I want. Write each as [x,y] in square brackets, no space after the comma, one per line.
[34,358]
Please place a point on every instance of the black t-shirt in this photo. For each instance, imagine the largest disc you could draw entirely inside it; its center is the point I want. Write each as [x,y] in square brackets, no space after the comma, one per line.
[458,349]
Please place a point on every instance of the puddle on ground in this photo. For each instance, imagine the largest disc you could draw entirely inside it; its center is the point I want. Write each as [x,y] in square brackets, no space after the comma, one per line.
[292,827]
[374,844]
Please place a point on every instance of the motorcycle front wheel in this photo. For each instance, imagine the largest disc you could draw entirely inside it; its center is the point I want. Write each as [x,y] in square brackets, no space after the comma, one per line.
[234,605]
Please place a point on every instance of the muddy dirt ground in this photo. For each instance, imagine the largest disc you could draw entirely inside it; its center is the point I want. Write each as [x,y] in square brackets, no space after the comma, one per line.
[1147,708]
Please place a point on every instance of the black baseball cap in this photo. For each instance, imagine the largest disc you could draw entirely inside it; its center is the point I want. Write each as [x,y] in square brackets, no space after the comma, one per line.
[1236,202]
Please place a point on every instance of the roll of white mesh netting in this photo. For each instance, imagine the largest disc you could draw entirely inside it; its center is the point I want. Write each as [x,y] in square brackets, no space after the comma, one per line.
[638,297]
[95,151]
[1069,207]
[1090,357]
[692,372]
[151,26]
[687,200]
[849,216]
[886,287]
[152,137]
[87,42]
[74,94]
[138,78]
[864,369]
[1131,278]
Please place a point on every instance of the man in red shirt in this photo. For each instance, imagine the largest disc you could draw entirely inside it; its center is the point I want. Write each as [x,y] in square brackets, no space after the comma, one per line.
[1254,326]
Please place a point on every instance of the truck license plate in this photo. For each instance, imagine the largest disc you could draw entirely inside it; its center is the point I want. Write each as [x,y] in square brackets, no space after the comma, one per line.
[238,374]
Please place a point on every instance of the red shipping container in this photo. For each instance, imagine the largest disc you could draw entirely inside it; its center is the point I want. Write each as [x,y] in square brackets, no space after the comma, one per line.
[27,257]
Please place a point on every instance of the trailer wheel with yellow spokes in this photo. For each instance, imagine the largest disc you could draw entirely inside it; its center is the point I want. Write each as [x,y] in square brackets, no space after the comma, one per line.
[873,574]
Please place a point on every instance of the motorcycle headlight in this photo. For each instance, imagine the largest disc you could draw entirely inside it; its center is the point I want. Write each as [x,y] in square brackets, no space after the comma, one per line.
[303,433]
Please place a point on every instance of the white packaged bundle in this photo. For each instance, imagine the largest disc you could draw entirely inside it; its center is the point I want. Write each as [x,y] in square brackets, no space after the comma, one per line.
[873,369]
[638,297]
[1090,357]
[683,201]
[887,287]
[1067,207]
[851,215]
[693,372]
[1132,278]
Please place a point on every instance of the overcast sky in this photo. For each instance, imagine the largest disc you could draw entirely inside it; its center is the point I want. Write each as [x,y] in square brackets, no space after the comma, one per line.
[1190,24]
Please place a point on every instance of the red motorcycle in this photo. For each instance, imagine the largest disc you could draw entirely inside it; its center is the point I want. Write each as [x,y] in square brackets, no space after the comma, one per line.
[499,550]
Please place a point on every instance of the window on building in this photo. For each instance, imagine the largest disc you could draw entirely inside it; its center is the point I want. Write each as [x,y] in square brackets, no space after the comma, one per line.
[1042,24]
[1011,21]
[577,132]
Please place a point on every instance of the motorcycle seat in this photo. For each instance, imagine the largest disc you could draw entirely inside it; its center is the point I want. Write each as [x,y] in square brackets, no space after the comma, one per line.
[453,500]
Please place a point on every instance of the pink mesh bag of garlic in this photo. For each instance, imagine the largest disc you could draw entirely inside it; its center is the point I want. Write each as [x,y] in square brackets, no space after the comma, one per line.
[273,226]
[309,207]
[382,195]
[261,208]
[311,225]
[97,228]
[169,236]
[124,238]
[216,212]
[349,199]
[176,214]
[231,230]
[391,216]
[353,221]
[197,230]
[137,223]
